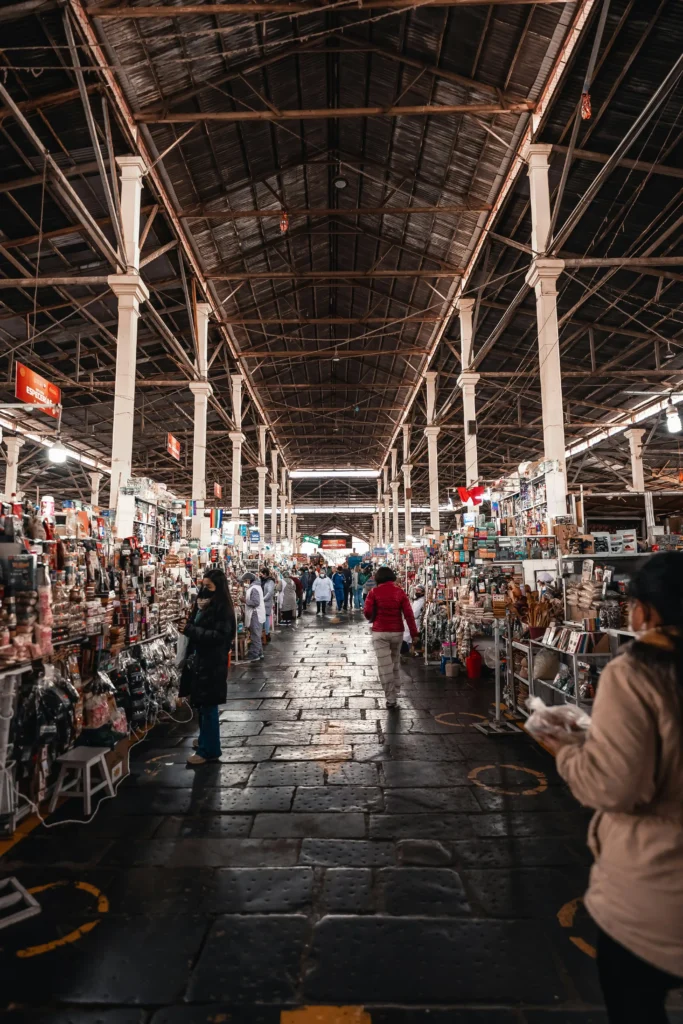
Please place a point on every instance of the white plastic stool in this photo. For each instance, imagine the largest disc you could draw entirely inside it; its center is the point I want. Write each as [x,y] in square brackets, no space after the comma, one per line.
[81,760]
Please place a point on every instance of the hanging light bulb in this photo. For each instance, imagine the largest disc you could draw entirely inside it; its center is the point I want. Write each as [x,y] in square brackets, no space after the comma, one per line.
[58,453]
[284,222]
[673,420]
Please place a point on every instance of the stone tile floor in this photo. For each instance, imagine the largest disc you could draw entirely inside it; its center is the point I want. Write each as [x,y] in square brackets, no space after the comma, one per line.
[341,855]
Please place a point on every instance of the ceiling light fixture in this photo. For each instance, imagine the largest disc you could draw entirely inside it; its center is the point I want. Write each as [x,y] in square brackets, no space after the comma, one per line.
[57,453]
[340,182]
[673,420]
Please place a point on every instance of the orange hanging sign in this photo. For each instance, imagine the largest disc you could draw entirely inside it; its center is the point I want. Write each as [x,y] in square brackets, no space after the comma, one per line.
[33,389]
[173,446]
[217,491]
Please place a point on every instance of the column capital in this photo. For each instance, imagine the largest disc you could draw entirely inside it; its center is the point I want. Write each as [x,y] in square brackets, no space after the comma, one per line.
[200,387]
[204,309]
[237,437]
[236,378]
[432,432]
[538,154]
[406,468]
[635,432]
[395,484]
[262,471]
[544,273]
[430,375]
[128,286]
[131,166]
[15,442]
[468,378]
[465,305]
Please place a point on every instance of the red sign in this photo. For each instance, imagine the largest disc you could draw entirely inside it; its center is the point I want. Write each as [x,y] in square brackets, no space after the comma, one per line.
[217,491]
[173,446]
[335,542]
[35,390]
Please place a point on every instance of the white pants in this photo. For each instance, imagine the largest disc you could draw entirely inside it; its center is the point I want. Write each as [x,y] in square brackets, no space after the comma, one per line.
[388,650]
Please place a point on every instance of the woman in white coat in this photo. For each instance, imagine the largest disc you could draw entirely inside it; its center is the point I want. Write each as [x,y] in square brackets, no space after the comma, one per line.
[287,598]
[322,591]
[418,605]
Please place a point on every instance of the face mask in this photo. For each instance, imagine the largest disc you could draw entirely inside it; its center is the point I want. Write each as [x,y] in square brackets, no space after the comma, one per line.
[205,594]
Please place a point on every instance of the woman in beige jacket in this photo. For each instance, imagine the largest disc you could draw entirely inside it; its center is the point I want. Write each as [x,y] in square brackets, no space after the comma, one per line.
[630,770]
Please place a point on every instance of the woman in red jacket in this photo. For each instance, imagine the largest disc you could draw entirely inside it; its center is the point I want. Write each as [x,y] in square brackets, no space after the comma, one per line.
[386,606]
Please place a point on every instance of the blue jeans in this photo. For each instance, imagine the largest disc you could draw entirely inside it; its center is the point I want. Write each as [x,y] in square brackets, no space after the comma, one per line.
[339,595]
[358,595]
[209,733]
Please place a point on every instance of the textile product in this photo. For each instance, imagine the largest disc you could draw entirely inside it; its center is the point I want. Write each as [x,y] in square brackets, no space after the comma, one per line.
[209,733]
[287,598]
[418,608]
[256,644]
[630,771]
[388,650]
[268,594]
[634,990]
[358,597]
[386,606]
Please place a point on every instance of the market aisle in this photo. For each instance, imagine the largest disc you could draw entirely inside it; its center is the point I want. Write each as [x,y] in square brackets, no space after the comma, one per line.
[340,854]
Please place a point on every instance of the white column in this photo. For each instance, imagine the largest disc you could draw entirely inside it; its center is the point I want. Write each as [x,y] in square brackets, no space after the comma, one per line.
[407,491]
[95,481]
[130,292]
[375,532]
[542,277]
[635,439]
[283,503]
[262,470]
[431,433]
[387,519]
[379,533]
[290,513]
[273,496]
[467,381]
[295,536]
[395,484]
[202,391]
[237,438]
[13,445]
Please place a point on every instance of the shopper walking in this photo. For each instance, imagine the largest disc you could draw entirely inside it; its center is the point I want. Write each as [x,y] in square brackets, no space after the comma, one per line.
[305,578]
[268,587]
[630,771]
[287,599]
[254,615]
[210,629]
[348,582]
[385,607]
[322,591]
[417,604]
[368,585]
[309,585]
[357,580]
[339,584]
[296,580]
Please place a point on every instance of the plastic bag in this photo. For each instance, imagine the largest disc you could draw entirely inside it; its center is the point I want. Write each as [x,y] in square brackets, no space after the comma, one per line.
[564,722]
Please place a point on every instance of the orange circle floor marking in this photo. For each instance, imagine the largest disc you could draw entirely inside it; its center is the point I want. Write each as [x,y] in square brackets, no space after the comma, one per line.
[456,725]
[541,787]
[326,1015]
[565,916]
[77,933]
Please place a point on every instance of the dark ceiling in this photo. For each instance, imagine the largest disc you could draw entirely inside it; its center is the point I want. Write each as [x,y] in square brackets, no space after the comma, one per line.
[334,315]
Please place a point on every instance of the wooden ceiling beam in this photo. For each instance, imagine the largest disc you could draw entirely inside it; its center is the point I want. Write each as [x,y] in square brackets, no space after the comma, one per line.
[336,113]
[293,8]
[370,211]
[633,165]
[244,322]
[331,275]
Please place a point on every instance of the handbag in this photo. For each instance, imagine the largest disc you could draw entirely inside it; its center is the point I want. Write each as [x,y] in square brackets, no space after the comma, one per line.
[181,650]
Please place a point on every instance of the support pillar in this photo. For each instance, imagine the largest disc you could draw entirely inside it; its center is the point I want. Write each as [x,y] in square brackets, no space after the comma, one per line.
[467,381]
[95,481]
[407,490]
[202,391]
[295,535]
[395,484]
[375,532]
[431,433]
[283,504]
[635,439]
[542,277]
[386,528]
[379,533]
[13,445]
[237,438]
[262,470]
[273,497]
[130,292]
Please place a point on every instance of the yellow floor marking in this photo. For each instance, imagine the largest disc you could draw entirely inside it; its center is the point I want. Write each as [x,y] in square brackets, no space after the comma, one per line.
[77,933]
[539,788]
[565,916]
[23,829]
[468,714]
[326,1015]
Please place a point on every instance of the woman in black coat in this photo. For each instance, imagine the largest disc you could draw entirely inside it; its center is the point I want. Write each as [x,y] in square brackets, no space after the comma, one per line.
[210,629]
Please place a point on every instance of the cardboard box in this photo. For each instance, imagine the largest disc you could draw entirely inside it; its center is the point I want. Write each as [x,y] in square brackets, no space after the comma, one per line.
[564,535]
[118,760]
